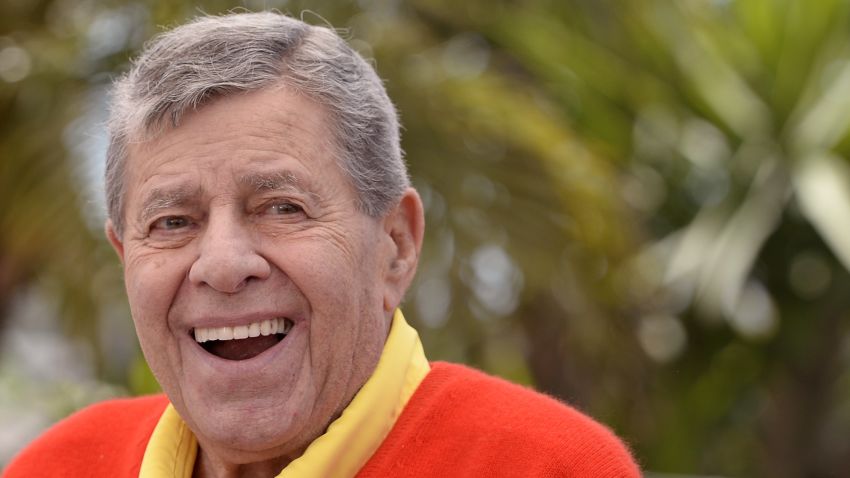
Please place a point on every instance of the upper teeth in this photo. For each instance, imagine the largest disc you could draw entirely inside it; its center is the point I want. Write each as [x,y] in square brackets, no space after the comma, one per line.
[255,329]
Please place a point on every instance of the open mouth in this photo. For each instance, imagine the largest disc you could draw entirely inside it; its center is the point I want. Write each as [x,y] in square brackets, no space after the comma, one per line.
[243,341]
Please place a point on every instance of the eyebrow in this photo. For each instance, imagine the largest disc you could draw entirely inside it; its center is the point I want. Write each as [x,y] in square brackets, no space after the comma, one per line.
[278,180]
[283,180]
[164,198]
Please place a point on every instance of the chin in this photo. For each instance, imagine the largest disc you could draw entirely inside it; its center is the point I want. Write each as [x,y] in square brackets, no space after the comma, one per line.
[253,435]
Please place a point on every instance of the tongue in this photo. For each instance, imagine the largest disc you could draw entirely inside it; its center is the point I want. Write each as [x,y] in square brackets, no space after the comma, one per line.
[241,349]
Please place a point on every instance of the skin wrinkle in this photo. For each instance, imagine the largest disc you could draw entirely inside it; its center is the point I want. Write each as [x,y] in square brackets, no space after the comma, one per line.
[260,154]
[184,196]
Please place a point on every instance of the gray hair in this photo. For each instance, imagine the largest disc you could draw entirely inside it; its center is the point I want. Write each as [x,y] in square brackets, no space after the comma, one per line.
[212,56]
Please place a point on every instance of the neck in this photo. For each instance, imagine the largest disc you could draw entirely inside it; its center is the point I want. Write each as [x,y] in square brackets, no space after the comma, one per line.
[208,466]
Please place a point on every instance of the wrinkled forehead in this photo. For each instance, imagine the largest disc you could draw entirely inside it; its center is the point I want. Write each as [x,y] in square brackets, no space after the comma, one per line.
[277,114]
[246,128]
[288,102]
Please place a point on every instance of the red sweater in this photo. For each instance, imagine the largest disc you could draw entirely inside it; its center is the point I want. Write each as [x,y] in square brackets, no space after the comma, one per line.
[459,422]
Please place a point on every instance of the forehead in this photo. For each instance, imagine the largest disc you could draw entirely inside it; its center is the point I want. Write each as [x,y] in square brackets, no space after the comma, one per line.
[248,137]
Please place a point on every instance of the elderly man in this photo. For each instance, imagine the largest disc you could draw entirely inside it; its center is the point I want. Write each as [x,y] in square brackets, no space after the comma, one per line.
[261,209]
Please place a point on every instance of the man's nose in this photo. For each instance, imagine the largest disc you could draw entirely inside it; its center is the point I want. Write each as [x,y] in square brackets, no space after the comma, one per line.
[227,260]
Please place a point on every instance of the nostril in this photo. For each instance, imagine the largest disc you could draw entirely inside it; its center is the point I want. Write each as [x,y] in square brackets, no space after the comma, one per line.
[228,284]
[238,287]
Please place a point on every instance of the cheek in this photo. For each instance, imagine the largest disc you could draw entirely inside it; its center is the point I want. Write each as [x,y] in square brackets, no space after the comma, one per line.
[343,292]
[342,285]
[152,282]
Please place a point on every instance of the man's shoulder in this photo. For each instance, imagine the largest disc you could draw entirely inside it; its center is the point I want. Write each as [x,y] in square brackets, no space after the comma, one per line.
[479,424]
[482,400]
[111,434]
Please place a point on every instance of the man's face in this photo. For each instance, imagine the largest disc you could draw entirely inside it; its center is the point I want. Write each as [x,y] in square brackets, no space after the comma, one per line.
[238,217]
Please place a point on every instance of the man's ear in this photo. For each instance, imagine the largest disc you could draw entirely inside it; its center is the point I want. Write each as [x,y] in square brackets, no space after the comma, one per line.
[112,235]
[405,227]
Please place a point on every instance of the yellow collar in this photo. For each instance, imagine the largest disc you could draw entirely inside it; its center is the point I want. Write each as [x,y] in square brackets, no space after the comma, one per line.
[349,441]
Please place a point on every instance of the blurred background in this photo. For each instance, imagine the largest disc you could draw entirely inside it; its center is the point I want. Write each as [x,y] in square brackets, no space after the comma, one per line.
[640,207]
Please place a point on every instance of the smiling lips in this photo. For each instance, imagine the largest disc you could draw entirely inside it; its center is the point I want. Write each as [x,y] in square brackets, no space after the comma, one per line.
[243,341]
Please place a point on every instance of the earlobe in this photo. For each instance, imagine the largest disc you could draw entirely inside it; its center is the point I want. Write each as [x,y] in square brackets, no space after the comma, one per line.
[114,240]
[405,226]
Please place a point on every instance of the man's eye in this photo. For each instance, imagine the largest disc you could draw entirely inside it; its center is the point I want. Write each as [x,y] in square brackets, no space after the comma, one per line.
[284,208]
[171,223]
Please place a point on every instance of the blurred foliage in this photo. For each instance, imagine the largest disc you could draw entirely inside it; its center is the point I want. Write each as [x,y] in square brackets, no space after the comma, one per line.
[639,206]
